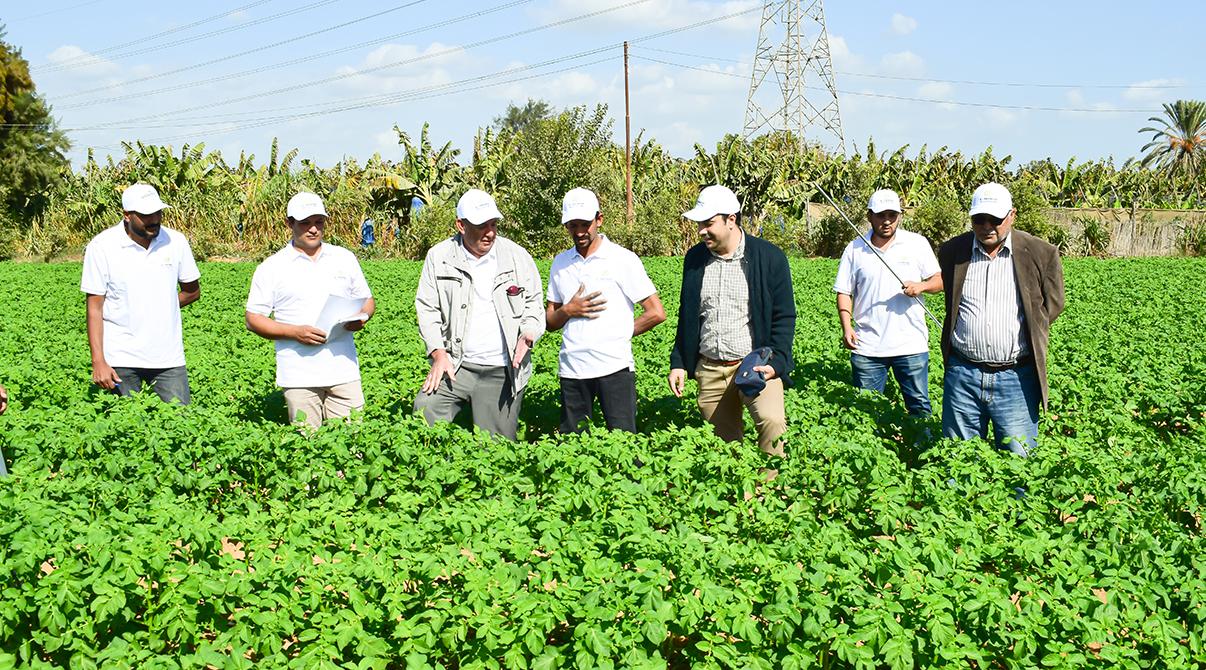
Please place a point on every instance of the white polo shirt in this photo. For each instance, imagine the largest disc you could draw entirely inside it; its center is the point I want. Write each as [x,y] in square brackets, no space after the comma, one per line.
[598,347]
[292,288]
[888,322]
[142,298]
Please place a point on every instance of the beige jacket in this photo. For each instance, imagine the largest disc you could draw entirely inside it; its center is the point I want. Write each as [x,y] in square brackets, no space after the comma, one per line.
[444,295]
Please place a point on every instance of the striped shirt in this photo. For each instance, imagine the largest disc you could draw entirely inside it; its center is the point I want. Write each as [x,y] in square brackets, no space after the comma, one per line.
[990,326]
[725,332]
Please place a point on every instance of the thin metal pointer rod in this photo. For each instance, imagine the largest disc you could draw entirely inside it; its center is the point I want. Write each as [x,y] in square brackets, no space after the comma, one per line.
[859,233]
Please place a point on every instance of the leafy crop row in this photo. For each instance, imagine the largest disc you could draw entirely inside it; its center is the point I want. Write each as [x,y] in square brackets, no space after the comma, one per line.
[134,534]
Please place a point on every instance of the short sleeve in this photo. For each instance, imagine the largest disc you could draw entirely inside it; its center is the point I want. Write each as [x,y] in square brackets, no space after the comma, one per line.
[96,275]
[260,299]
[926,259]
[556,293]
[359,288]
[188,265]
[635,281]
[844,283]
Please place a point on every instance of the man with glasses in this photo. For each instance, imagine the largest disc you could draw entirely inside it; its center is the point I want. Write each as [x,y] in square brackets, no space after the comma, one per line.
[1004,290]
[883,324]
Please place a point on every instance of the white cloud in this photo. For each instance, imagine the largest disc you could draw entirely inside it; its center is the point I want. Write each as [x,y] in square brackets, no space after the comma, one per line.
[1075,97]
[657,14]
[903,64]
[936,90]
[1152,90]
[393,68]
[999,119]
[903,25]
[840,54]
[78,61]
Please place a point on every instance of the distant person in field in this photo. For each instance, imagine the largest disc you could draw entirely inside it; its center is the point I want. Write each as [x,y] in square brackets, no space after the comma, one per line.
[1004,289]
[306,284]
[480,310]
[3,408]
[736,297]
[883,325]
[137,275]
[593,288]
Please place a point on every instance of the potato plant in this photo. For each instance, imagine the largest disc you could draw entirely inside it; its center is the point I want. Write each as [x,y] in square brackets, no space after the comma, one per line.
[135,534]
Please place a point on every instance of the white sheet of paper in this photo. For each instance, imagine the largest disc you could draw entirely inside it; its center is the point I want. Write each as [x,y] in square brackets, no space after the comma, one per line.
[337,311]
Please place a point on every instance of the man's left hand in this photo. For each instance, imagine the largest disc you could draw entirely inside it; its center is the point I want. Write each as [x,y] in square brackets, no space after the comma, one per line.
[768,372]
[912,288]
[521,349]
[355,324]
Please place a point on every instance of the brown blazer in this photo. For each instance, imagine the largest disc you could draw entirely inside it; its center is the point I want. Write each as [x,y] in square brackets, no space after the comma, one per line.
[1040,278]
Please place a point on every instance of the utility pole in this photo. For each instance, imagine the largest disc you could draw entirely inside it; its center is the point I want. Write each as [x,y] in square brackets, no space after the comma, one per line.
[631,216]
[793,57]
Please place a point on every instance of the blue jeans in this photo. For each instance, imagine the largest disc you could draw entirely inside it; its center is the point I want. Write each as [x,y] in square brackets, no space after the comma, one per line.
[912,374]
[1009,399]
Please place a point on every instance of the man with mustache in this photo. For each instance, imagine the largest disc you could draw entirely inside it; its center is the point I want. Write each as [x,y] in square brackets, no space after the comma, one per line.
[480,311]
[736,297]
[593,288]
[1005,288]
[137,275]
[883,325]
[290,291]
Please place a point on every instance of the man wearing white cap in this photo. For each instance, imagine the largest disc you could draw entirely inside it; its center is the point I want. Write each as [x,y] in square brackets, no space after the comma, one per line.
[883,325]
[593,289]
[137,275]
[308,298]
[1004,290]
[736,297]
[480,311]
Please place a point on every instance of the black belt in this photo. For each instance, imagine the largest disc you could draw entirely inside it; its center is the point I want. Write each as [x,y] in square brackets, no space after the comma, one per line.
[1021,362]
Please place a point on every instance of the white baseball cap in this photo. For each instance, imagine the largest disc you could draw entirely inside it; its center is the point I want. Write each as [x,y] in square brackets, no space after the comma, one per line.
[304,205]
[141,198]
[477,207]
[713,200]
[993,199]
[580,204]
[884,199]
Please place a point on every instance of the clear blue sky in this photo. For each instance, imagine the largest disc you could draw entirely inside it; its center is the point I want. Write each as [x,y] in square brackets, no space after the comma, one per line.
[333,90]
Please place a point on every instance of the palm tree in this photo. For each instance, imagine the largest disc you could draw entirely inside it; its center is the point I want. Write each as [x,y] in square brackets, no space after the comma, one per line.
[1179,144]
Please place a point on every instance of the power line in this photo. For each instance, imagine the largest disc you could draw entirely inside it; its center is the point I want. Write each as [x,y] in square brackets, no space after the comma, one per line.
[265,68]
[214,33]
[393,64]
[55,11]
[939,81]
[1032,108]
[149,38]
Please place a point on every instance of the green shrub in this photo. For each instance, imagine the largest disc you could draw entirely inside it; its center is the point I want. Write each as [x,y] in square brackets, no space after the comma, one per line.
[939,217]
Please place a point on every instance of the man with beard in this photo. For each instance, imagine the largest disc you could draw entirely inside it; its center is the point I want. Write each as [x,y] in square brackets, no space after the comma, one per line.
[480,311]
[137,275]
[883,325]
[736,297]
[593,288]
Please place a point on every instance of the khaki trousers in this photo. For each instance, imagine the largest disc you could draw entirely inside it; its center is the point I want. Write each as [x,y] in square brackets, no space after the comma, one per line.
[720,402]
[319,403]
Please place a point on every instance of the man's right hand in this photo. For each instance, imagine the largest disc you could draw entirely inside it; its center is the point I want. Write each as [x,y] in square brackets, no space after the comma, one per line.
[849,339]
[677,379]
[589,305]
[309,335]
[104,376]
[441,365]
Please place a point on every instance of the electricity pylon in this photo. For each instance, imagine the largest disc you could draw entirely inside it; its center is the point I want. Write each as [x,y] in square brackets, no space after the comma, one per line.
[792,86]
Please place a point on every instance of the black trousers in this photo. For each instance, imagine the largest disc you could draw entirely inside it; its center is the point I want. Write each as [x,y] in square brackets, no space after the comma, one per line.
[617,398]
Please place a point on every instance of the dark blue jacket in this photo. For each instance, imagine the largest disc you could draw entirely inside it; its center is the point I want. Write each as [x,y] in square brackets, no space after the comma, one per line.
[772,305]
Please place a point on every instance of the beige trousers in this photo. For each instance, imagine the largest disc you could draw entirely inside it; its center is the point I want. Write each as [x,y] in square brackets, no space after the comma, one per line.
[319,403]
[720,402]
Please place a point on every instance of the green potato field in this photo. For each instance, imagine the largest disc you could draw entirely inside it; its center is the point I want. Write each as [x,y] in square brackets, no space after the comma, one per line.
[140,535]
